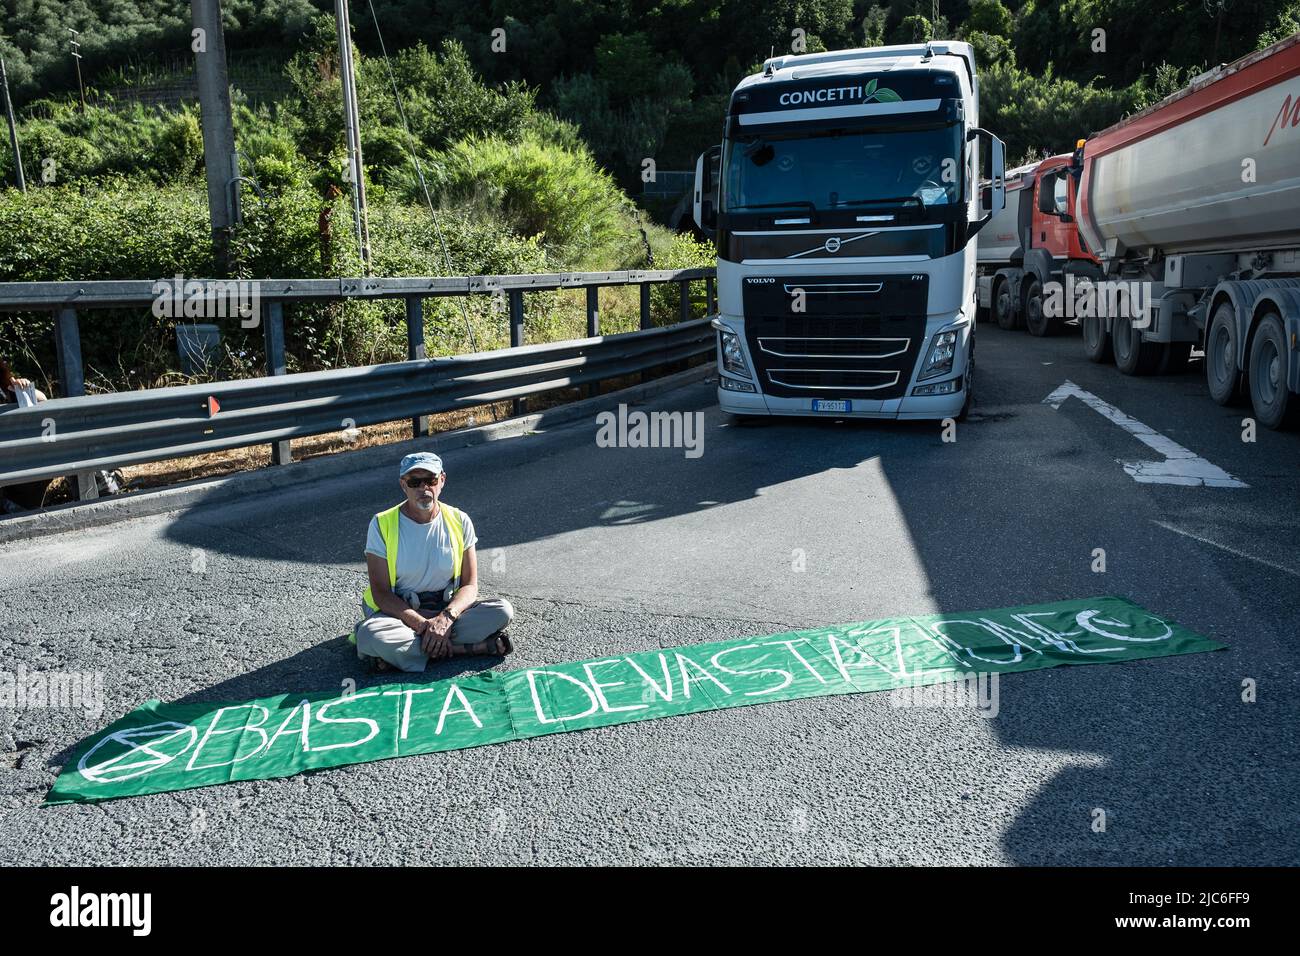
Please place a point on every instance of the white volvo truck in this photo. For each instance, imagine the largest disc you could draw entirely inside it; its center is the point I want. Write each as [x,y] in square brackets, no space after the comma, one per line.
[845,207]
[1198,198]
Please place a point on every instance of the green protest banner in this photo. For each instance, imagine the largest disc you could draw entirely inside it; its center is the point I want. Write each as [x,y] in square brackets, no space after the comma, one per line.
[162,747]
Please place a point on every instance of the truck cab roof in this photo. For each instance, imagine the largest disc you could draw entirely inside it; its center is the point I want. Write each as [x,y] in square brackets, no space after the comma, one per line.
[913,83]
[1023,175]
[947,55]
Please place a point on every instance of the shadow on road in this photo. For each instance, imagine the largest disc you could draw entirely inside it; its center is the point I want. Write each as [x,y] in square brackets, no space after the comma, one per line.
[1181,771]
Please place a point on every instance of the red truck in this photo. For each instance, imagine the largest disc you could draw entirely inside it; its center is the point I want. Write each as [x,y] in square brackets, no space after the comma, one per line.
[1033,241]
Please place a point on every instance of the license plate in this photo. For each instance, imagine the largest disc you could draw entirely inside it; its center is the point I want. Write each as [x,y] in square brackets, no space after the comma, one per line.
[832,405]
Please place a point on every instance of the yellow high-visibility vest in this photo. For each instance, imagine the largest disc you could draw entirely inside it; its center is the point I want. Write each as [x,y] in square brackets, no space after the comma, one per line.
[388,522]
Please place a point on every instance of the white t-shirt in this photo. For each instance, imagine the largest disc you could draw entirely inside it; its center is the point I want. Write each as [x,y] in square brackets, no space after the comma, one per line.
[424,552]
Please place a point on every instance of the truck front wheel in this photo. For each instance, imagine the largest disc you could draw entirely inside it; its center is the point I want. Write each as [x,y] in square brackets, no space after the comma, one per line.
[1096,340]
[1221,375]
[1132,355]
[1275,406]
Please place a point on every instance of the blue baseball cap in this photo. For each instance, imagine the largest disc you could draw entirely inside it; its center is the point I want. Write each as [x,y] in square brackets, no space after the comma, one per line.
[421,459]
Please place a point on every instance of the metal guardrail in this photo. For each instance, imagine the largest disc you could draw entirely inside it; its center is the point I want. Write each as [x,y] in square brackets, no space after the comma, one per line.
[27,296]
[81,434]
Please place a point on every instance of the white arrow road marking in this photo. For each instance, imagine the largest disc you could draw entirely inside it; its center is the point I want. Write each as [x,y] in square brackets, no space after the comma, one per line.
[1181,466]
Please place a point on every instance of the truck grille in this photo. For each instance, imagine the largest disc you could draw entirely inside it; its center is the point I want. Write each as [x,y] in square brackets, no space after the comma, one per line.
[831,380]
[864,343]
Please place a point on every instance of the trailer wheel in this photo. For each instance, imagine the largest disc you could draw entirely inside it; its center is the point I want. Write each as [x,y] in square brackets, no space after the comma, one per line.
[1221,375]
[1275,406]
[1096,340]
[1132,355]
[1004,310]
[1035,321]
[1175,358]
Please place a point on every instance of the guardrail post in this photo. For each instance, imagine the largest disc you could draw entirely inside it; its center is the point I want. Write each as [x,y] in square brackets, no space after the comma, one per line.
[517,334]
[415,351]
[593,328]
[646,322]
[684,312]
[72,382]
[708,296]
[273,336]
[645,317]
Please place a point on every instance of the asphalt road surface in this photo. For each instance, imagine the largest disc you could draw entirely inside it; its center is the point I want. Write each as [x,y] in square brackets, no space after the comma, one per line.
[612,550]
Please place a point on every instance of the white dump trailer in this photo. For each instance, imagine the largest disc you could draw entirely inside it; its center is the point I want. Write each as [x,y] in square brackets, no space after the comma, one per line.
[1197,198]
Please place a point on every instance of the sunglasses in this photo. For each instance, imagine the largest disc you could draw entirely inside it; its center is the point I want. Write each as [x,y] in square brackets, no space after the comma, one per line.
[421,482]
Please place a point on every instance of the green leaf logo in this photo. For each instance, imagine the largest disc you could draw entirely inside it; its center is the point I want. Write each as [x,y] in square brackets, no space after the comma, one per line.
[885,95]
[871,88]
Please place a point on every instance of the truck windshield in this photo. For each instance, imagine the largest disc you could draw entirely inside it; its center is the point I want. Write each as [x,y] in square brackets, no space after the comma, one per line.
[841,168]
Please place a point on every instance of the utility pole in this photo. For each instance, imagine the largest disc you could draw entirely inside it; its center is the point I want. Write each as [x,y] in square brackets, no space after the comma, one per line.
[13,126]
[219,159]
[76,58]
[352,126]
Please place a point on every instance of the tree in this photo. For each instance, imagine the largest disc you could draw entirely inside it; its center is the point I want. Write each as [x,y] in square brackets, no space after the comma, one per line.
[913,29]
[989,16]
[873,26]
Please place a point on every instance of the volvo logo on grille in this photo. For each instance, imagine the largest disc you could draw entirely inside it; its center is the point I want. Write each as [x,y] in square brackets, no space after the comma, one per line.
[832,245]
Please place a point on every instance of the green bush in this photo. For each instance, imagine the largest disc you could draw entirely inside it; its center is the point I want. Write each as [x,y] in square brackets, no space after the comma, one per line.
[1035,113]
[558,196]
[1287,23]
[989,16]
[61,145]
[515,190]
[989,49]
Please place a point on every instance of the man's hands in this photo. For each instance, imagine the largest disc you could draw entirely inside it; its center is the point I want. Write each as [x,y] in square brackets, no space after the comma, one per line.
[435,636]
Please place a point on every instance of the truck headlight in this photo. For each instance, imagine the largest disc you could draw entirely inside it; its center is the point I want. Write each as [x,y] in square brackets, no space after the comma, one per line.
[731,385]
[733,357]
[942,351]
[949,387]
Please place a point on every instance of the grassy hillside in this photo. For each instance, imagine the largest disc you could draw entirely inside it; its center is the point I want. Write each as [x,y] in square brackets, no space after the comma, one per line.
[648,78]
[529,120]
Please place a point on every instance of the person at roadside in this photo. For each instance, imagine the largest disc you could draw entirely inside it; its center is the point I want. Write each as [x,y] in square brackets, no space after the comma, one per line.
[422,603]
[10,384]
[29,494]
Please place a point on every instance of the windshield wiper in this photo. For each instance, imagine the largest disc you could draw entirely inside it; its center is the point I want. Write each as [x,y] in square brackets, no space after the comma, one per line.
[891,201]
[792,204]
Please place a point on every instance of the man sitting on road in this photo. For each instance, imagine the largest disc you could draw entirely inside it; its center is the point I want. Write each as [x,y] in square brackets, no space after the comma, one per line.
[422,602]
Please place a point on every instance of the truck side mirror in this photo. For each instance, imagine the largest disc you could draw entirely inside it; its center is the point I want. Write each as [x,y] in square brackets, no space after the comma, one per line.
[705,195]
[993,197]
[1047,194]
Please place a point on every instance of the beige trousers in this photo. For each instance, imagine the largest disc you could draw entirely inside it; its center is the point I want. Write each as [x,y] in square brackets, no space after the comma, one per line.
[383,636]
